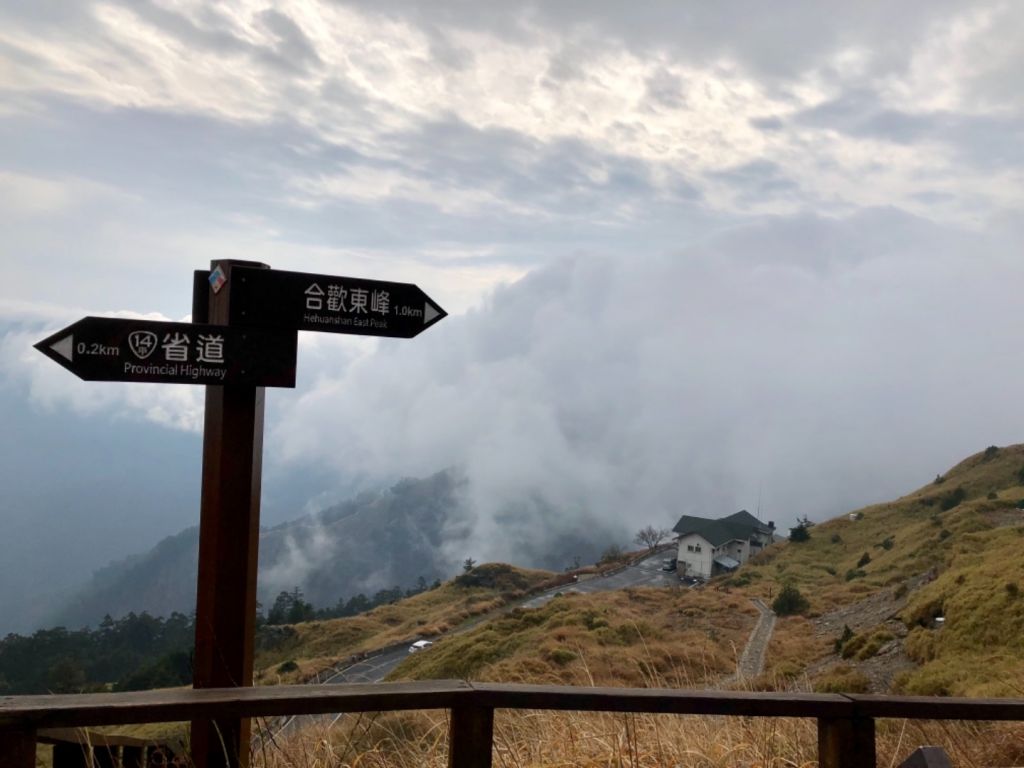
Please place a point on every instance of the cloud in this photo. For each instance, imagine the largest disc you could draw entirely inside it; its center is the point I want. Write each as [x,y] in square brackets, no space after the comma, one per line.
[50,387]
[603,392]
[858,106]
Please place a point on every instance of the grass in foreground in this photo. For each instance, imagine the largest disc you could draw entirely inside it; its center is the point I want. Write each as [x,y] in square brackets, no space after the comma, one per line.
[540,739]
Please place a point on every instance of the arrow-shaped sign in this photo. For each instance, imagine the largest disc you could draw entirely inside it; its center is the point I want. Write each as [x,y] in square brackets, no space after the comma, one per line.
[121,349]
[273,298]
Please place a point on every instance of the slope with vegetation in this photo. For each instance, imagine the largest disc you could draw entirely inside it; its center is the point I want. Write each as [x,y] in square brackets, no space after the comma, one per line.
[296,652]
[634,637]
[933,578]
[919,595]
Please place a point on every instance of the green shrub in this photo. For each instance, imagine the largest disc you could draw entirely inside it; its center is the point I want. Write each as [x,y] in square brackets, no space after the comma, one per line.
[992,495]
[836,539]
[864,560]
[790,602]
[561,656]
[953,498]
[1012,589]
[843,638]
[288,666]
[944,534]
[854,573]
[799,533]
[887,543]
[990,453]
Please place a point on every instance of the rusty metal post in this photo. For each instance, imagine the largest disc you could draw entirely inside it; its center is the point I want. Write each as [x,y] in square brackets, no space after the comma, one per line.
[846,742]
[471,737]
[228,546]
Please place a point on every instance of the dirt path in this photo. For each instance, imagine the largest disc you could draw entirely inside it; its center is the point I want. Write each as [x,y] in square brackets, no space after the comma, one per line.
[752,660]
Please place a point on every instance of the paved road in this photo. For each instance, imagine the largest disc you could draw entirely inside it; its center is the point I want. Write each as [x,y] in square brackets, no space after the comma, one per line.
[371,670]
[646,573]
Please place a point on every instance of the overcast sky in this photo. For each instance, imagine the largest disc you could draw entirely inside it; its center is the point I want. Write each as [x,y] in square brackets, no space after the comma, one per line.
[695,254]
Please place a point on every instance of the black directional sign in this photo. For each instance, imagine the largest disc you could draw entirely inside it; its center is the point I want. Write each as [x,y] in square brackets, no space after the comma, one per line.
[300,301]
[120,349]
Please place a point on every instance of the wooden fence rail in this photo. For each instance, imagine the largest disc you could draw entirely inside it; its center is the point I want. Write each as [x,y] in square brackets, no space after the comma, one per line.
[846,723]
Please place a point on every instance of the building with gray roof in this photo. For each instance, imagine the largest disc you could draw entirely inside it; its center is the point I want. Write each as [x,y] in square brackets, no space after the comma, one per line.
[707,547]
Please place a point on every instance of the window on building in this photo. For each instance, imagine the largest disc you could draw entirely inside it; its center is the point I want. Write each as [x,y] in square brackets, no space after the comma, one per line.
[689,547]
[697,548]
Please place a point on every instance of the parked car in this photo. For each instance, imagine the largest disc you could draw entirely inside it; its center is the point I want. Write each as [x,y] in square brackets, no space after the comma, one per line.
[420,645]
[668,564]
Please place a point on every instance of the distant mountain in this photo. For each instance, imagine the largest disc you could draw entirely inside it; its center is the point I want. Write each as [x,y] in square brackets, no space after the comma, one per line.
[372,542]
[375,541]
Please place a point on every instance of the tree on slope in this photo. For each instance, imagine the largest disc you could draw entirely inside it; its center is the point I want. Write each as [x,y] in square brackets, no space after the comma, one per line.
[650,537]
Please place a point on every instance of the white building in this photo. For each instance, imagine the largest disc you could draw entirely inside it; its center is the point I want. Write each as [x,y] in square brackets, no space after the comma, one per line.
[708,547]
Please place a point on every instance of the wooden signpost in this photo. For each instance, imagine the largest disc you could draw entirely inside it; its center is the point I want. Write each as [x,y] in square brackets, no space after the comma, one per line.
[243,337]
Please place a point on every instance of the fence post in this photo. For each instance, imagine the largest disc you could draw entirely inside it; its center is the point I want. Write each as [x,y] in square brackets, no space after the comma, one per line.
[470,737]
[70,754]
[17,748]
[846,742]
[104,757]
[131,757]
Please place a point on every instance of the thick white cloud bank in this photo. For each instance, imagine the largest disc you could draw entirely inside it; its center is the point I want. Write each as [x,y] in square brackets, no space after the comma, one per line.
[816,364]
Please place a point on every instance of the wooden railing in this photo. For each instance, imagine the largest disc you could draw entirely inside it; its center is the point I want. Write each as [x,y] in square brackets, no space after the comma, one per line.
[846,723]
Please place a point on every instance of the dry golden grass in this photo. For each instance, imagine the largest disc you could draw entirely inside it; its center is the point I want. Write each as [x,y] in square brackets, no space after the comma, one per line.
[543,739]
[626,638]
[318,645]
[792,644]
[972,546]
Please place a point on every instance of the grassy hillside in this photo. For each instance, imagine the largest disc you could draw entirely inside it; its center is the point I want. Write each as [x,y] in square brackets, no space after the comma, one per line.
[297,652]
[875,581]
[950,549]
[634,637]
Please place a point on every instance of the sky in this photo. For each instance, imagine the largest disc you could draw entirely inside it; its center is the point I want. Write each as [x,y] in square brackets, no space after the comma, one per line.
[697,256]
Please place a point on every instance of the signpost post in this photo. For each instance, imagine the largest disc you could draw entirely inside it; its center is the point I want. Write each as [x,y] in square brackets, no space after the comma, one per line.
[229,528]
[243,338]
